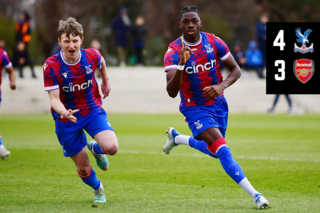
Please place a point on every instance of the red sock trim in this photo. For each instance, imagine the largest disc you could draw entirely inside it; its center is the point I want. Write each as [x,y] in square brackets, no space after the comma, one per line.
[104,151]
[85,176]
[216,145]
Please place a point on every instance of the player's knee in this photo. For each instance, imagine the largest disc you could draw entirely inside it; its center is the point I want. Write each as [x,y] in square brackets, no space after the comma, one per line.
[84,169]
[112,149]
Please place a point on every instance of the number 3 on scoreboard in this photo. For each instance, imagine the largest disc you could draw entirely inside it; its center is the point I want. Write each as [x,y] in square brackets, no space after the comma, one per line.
[282,75]
[279,41]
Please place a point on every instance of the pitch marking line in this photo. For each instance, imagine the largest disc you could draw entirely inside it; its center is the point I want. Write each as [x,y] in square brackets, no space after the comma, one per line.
[236,156]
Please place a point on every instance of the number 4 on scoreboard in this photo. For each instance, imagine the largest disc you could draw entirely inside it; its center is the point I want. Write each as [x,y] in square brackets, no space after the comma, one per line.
[279,41]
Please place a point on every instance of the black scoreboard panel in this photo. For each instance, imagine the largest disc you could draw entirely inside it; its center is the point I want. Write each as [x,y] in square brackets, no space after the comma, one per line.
[293,58]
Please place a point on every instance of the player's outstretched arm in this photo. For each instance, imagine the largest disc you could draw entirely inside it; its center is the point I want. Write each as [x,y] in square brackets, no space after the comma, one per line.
[174,77]
[57,105]
[235,73]
[12,78]
[105,85]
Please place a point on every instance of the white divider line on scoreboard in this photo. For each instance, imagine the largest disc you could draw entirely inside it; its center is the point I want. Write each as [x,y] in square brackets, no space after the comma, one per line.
[235,156]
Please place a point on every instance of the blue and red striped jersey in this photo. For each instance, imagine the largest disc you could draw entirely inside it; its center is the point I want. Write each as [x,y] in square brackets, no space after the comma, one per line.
[201,70]
[4,62]
[76,82]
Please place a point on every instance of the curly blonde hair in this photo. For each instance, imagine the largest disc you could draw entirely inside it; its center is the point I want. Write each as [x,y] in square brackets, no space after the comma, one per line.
[70,26]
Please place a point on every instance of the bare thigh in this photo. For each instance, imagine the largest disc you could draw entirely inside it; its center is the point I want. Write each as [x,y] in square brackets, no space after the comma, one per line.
[108,141]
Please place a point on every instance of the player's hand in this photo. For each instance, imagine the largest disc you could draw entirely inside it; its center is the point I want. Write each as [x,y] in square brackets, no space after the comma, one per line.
[213,91]
[105,88]
[185,53]
[69,115]
[12,85]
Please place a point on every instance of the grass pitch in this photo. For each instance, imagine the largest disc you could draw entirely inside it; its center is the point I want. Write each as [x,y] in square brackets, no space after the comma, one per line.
[279,154]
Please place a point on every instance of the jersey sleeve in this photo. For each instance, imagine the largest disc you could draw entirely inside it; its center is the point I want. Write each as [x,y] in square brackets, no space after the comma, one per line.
[98,54]
[50,81]
[223,50]
[5,60]
[171,58]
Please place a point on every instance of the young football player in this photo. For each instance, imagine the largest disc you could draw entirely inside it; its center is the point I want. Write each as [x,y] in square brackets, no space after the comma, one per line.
[6,63]
[191,64]
[76,104]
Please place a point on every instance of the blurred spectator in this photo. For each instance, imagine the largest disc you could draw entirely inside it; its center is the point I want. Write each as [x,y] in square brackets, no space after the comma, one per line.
[290,111]
[23,29]
[239,56]
[261,29]
[96,45]
[3,45]
[20,53]
[121,28]
[139,32]
[56,49]
[21,58]
[254,58]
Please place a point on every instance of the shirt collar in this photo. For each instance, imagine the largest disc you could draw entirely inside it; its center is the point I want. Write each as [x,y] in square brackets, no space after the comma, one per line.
[192,44]
[61,53]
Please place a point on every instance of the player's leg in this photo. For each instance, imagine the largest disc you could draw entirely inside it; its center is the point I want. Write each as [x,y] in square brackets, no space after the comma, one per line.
[274,103]
[30,63]
[290,111]
[122,55]
[107,143]
[84,169]
[218,146]
[74,146]
[88,175]
[174,138]
[198,119]
[20,67]
[3,151]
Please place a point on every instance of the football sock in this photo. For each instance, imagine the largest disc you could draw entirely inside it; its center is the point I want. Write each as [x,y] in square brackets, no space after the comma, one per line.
[201,146]
[90,179]
[0,140]
[246,185]
[97,149]
[230,166]
[182,139]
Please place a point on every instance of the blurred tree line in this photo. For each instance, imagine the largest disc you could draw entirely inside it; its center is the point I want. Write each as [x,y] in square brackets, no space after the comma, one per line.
[232,20]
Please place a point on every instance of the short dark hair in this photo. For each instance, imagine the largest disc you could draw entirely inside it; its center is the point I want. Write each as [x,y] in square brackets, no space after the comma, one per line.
[189,9]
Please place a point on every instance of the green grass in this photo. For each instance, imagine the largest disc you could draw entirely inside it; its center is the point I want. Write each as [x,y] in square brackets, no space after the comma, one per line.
[279,154]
